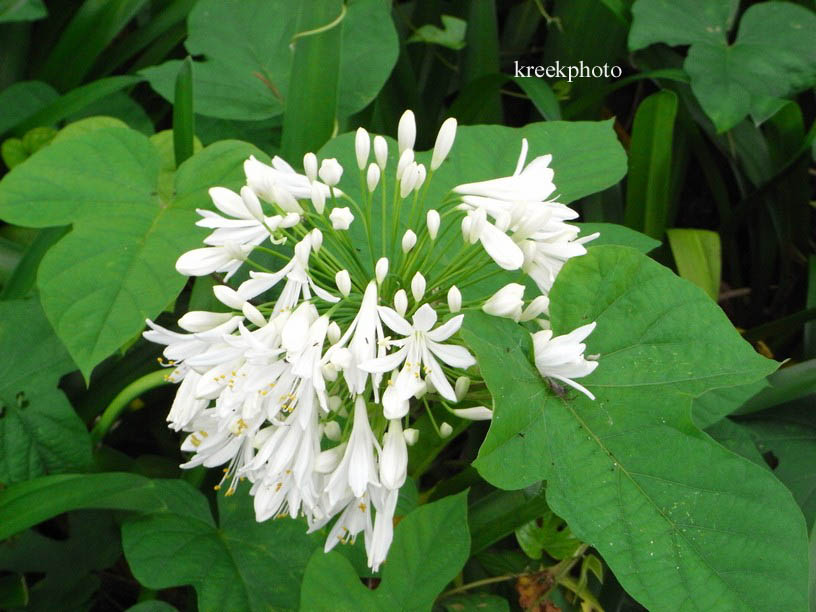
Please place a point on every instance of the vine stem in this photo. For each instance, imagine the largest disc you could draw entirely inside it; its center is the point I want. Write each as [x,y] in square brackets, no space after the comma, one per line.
[121,401]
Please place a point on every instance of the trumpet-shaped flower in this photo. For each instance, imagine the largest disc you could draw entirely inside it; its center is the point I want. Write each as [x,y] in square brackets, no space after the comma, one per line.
[562,357]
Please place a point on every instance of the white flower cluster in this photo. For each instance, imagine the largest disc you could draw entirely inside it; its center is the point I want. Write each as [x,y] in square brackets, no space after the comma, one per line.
[308,385]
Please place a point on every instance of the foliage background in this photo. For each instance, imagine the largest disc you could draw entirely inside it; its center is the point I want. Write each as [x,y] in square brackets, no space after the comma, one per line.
[715,110]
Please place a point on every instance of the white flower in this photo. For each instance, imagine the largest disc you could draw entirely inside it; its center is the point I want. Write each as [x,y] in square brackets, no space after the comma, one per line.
[330,171]
[409,240]
[461,387]
[358,467]
[562,357]
[405,160]
[506,302]
[394,457]
[380,151]
[540,305]
[498,245]
[419,349]
[433,220]
[418,285]
[310,166]
[454,299]
[201,321]
[476,413]
[385,502]
[381,269]
[343,281]
[341,218]
[201,262]
[401,302]
[444,142]
[261,178]
[411,436]
[406,131]
[318,197]
[372,176]
[362,146]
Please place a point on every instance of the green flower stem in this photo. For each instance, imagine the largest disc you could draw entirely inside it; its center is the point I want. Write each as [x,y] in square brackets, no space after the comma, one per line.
[123,399]
[383,216]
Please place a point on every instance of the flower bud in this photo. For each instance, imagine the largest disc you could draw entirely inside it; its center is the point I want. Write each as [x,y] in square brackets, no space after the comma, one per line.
[418,287]
[420,178]
[341,358]
[328,460]
[318,198]
[454,299]
[362,145]
[285,199]
[411,436]
[406,131]
[445,430]
[335,403]
[409,239]
[343,281]
[409,179]
[444,142]
[252,203]
[332,431]
[330,171]
[476,413]
[433,220]
[253,315]
[381,269]
[394,457]
[461,388]
[329,372]
[373,176]
[401,301]
[538,306]
[201,321]
[317,239]
[405,160]
[228,296]
[341,218]
[506,302]
[380,151]
[291,220]
[310,166]
[333,333]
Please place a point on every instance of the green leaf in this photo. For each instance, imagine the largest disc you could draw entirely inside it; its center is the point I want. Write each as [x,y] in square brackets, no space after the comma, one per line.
[21,100]
[248,64]
[237,564]
[698,258]
[712,406]
[620,235]
[121,106]
[629,472]
[430,547]
[499,513]
[22,10]
[547,534]
[650,162]
[13,591]
[28,503]
[39,430]
[152,605]
[450,35]
[772,57]
[183,117]
[475,602]
[101,281]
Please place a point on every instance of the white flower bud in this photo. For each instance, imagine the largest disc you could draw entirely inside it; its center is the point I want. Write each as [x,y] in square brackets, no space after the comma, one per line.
[373,176]
[411,436]
[444,142]
[433,220]
[381,269]
[290,220]
[380,151]
[418,286]
[201,321]
[335,402]
[333,333]
[506,302]
[409,239]
[253,314]
[401,301]
[538,306]
[406,131]
[228,296]
[405,160]
[310,166]
[329,372]
[454,299]
[409,179]
[252,203]
[285,199]
[422,388]
[343,281]
[330,171]
[328,460]
[461,388]
[341,358]
[420,177]
[317,239]
[476,413]
[394,457]
[332,431]
[445,430]
[318,198]
[341,218]
[362,146]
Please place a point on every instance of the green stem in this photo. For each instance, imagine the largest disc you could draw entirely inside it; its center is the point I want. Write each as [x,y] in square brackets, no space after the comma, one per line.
[123,399]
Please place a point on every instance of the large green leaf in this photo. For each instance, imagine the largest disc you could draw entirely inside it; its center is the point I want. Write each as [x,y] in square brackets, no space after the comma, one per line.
[116,267]
[22,100]
[39,430]
[683,523]
[246,72]
[430,547]
[22,10]
[772,57]
[236,564]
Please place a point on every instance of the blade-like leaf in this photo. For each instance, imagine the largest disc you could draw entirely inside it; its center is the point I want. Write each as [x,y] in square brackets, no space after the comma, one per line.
[697,254]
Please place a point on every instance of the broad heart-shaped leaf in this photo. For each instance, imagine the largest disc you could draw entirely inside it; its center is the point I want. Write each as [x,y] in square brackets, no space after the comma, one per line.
[116,267]
[682,522]
[430,547]
[39,430]
[248,59]
[237,564]
[773,55]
